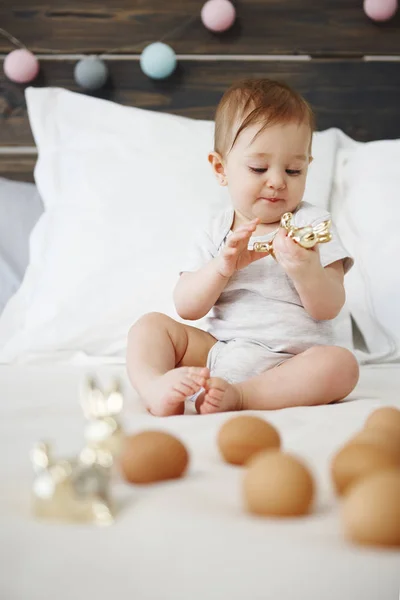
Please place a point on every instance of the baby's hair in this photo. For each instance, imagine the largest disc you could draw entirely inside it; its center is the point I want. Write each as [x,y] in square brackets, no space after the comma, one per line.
[261,101]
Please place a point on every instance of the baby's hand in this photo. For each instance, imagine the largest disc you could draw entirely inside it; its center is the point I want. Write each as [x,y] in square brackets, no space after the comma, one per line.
[291,256]
[235,255]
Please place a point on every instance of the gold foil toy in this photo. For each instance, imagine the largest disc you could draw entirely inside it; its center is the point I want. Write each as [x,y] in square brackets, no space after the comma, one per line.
[78,489]
[307,236]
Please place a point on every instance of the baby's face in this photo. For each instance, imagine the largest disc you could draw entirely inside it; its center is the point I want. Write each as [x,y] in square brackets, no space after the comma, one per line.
[266,176]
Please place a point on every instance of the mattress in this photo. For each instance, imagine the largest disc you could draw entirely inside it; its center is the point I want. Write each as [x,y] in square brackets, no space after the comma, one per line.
[186,539]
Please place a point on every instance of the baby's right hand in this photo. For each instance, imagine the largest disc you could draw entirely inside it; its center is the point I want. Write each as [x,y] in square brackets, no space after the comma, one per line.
[235,255]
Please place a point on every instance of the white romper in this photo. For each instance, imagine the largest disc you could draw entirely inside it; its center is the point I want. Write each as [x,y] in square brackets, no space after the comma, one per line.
[259,320]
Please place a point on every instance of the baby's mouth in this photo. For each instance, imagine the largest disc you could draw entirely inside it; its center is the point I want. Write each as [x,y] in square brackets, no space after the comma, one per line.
[272,200]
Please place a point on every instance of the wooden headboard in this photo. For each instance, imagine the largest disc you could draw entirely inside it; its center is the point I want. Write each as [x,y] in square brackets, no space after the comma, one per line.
[347,66]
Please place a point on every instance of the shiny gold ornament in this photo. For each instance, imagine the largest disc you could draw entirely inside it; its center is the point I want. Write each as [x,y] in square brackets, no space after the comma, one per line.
[78,489]
[307,236]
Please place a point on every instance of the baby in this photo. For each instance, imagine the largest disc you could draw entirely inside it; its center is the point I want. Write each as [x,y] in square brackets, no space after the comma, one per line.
[269,338]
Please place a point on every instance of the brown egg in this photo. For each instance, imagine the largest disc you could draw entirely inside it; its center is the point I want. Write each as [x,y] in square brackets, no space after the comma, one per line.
[386,418]
[379,437]
[357,460]
[152,456]
[277,484]
[242,436]
[371,510]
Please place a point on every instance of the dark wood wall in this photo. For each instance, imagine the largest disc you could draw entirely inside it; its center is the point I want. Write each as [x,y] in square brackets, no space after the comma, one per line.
[347,66]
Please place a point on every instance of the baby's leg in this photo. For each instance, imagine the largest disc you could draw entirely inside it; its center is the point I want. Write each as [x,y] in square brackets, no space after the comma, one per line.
[320,375]
[157,345]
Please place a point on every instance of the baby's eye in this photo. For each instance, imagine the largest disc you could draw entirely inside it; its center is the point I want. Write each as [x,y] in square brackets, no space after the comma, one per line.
[257,170]
[292,172]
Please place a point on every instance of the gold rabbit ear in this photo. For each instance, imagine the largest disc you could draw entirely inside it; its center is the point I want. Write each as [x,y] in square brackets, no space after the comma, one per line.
[323,232]
[93,402]
[323,226]
[115,398]
[286,220]
[40,456]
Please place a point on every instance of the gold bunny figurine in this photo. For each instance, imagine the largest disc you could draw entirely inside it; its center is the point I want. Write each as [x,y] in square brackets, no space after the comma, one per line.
[307,236]
[79,489]
[71,490]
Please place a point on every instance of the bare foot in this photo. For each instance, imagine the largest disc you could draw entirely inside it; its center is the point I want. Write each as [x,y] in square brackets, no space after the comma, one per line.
[220,396]
[166,394]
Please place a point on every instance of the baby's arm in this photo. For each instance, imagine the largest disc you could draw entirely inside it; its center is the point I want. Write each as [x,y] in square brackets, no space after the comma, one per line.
[321,290]
[197,291]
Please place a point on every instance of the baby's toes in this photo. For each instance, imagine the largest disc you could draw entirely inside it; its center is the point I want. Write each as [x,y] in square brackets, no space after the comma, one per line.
[195,372]
[221,396]
[187,386]
[215,395]
[199,381]
[216,386]
[210,405]
[199,376]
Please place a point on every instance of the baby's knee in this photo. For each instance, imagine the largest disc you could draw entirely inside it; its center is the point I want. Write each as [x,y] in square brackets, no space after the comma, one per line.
[352,370]
[148,322]
[340,368]
[344,368]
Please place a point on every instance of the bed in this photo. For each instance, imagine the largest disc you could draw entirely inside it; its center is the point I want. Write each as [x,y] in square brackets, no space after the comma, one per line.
[188,538]
[70,163]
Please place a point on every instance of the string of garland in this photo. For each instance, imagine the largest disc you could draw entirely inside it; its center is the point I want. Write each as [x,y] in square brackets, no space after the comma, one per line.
[157,59]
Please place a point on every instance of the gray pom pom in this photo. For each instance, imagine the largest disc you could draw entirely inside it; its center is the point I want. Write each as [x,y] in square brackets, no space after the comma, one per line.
[91,73]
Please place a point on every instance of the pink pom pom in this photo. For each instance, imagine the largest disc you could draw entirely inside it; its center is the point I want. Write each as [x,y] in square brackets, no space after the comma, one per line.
[21,66]
[218,15]
[380,10]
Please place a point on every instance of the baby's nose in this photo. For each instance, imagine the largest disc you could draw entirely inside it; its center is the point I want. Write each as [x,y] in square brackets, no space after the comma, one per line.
[276,180]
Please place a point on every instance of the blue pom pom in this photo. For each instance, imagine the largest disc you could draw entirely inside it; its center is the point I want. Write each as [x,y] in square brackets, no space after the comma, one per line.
[91,73]
[158,60]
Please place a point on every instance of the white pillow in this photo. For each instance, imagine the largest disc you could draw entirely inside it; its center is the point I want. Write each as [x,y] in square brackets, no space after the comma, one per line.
[367,214]
[123,190]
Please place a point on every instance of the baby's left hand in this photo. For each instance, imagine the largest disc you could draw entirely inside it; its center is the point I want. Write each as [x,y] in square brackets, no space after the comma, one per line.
[291,256]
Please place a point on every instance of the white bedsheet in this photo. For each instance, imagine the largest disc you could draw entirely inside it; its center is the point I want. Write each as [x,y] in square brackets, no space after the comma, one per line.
[188,539]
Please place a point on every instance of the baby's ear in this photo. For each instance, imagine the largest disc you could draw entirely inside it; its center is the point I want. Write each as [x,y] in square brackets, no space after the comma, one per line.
[215,160]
